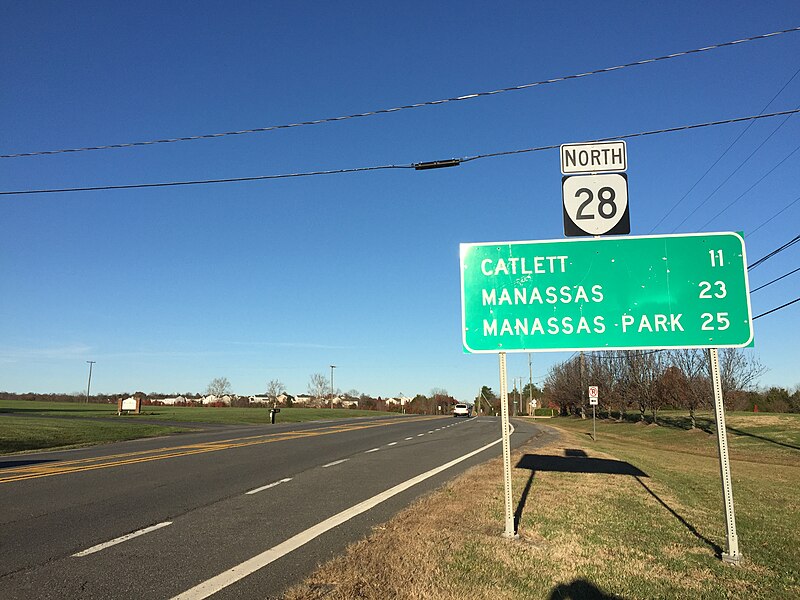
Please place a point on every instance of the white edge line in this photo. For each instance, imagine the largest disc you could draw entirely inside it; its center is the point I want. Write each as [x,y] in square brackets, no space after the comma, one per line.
[334,463]
[120,539]
[269,485]
[226,578]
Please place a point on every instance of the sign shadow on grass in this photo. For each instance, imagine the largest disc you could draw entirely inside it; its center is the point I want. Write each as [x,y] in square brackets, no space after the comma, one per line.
[580,589]
[761,437]
[708,425]
[577,461]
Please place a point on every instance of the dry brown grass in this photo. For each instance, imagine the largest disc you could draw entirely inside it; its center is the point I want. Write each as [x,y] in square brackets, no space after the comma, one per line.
[580,534]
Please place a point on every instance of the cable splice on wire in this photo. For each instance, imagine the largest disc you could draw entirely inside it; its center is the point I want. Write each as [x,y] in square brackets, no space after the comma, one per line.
[382,111]
[448,162]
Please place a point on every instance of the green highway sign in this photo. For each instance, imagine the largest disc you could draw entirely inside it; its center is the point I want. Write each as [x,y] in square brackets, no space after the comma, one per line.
[632,292]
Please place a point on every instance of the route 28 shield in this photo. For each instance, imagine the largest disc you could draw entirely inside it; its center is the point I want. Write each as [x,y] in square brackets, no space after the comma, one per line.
[596,204]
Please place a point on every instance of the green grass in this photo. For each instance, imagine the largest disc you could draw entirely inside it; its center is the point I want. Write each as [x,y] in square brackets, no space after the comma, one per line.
[25,434]
[66,409]
[250,415]
[683,507]
[29,425]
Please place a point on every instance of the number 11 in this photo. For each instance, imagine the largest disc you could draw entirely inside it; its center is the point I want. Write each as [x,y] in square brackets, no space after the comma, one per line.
[716,257]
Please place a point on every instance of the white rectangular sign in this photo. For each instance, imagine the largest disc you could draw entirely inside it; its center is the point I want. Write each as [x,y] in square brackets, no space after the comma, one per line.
[598,157]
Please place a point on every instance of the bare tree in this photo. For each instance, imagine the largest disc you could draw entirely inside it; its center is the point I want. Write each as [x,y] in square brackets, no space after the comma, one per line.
[643,372]
[563,386]
[274,389]
[219,387]
[603,370]
[695,389]
[738,370]
[318,387]
[440,397]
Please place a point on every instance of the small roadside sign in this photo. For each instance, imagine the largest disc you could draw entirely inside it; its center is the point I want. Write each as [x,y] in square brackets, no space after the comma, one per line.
[594,395]
[597,157]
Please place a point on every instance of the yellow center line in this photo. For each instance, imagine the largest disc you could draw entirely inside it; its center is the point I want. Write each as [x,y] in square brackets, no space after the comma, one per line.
[140,456]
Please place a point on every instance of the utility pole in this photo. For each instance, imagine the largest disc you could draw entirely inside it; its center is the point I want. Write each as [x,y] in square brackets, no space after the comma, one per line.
[332,388]
[89,385]
[583,410]
[530,386]
[514,395]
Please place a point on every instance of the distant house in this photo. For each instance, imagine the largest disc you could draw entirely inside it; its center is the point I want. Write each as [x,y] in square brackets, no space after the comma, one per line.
[344,403]
[211,399]
[304,400]
[286,399]
[172,401]
[399,401]
[259,399]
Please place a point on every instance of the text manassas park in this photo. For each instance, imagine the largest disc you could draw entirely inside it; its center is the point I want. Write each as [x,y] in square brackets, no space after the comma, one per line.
[555,295]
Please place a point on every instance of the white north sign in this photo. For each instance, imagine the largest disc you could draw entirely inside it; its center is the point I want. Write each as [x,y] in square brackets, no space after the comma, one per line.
[598,157]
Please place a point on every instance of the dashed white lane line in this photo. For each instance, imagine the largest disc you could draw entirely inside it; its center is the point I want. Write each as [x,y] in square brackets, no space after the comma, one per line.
[420,434]
[121,539]
[409,438]
[373,450]
[334,463]
[392,443]
[269,485]
[215,584]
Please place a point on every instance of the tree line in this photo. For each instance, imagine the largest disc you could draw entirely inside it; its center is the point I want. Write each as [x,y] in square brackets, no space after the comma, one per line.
[439,401]
[643,382]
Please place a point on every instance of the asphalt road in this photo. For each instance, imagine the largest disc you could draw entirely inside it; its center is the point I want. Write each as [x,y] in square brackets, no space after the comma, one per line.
[215,500]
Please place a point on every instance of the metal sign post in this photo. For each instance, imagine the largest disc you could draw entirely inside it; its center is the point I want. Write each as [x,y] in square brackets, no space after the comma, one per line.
[509,530]
[731,554]
[594,396]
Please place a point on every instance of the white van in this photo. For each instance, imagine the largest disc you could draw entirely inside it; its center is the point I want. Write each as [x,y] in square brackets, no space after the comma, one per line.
[461,410]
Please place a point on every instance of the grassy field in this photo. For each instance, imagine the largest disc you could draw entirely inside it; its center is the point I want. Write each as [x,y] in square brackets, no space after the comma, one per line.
[189,414]
[636,514]
[26,434]
[28,426]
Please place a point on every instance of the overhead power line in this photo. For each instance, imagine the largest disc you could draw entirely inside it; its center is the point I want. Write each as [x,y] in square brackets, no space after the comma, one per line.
[778,250]
[725,152]
[382,111]
[777,308]
[732,173]
[748,190]
[775,216]
[775,280]
[640,134]
[416,166]
[133,186]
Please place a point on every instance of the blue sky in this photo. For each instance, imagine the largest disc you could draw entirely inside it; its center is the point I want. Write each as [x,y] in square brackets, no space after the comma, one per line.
[167,288]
